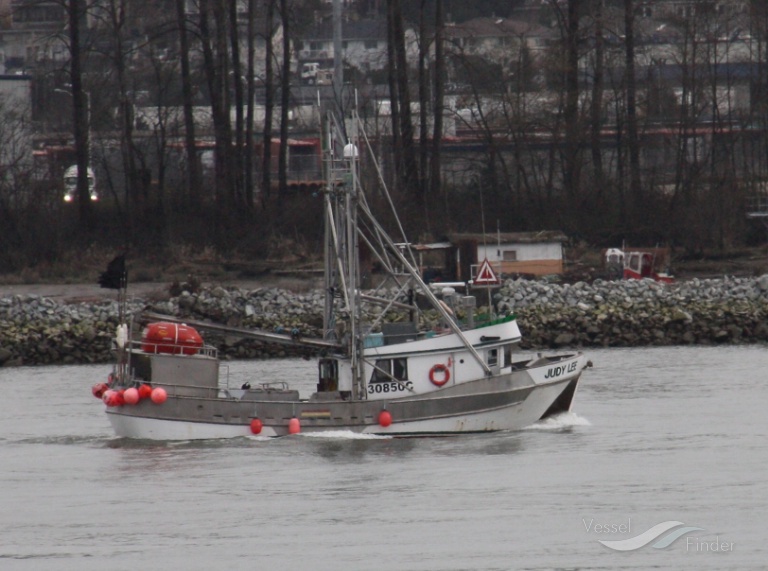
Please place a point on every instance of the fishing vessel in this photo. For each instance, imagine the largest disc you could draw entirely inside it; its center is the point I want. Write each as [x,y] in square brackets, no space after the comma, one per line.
[394,359]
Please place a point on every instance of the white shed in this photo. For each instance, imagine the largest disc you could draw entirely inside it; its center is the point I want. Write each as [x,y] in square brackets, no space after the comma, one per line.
[535,253]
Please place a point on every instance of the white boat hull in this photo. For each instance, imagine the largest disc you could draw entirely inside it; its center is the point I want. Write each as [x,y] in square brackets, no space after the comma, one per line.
[146,428]
[513,417]
[521,405]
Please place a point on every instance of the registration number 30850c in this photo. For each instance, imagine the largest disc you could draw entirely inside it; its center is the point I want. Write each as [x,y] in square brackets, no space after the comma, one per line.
[391,387]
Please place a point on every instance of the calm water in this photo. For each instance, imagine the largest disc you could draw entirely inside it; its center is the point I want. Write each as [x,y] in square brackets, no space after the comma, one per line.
[666,434]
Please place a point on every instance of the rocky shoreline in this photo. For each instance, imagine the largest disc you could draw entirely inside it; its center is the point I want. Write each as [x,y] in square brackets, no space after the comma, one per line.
[38,330]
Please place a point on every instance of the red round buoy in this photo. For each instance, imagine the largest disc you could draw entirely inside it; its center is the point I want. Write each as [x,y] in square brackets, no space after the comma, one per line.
[159,395]
[112,398]
[145,391]
[119,397]
[294,426]
[385,418]
[131,396]
[98,389]
[256,426]
[107,396]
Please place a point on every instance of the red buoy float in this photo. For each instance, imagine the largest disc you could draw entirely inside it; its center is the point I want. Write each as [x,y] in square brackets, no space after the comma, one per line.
[159,396]
[112,398]
[441,370]
[107,397]
[385,418]
[256,426]
[171,338]
[294,426]
[131,396]
[145,391]
[99,389]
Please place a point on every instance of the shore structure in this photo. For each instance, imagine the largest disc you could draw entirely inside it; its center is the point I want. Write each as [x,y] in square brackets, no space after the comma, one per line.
[39,330]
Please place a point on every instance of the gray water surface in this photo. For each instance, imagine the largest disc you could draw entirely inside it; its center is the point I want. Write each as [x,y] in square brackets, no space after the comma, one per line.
[657,435]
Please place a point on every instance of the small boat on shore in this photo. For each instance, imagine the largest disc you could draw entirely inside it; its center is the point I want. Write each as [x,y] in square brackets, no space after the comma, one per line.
[384,365]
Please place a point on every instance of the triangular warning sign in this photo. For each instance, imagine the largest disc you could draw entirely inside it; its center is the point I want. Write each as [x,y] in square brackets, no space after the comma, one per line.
[486,275]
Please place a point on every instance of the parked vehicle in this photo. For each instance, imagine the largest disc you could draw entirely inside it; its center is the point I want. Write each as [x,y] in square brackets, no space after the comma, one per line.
[313,74]
[638,264]
[70,184]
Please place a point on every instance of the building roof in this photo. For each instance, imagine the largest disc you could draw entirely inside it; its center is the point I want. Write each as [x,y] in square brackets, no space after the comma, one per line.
[495,28]
[511,237]
[366,29]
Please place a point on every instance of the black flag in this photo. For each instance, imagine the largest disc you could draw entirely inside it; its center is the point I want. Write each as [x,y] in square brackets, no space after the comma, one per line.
[116,276]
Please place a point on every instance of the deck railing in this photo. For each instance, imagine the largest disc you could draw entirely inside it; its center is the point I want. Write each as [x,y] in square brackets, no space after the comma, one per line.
[165,348]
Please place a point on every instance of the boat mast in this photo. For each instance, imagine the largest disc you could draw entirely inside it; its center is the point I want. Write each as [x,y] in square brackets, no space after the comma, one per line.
[409,265]
[351,157]
[343,320]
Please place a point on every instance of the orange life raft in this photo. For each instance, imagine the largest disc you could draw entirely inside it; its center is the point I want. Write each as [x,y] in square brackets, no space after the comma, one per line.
[172,338]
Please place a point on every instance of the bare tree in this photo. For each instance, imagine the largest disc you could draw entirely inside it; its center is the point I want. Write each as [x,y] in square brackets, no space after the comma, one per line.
[237,80]
[423,77]
[571,111]
[269,101]
[194,173]
[596,111]
[216,62]
[285,95]
[76,14]
[251,96]
[631,91]
[439,103]
[393,99]
[112,17]
[399,64]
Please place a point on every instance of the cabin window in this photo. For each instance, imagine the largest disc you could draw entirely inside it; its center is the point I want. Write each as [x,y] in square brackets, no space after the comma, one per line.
[388,368]
[492,357]
[509,255]
[399,369]
[381,371]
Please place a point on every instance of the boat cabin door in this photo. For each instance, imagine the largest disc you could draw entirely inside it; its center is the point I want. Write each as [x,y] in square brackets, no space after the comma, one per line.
[328,375]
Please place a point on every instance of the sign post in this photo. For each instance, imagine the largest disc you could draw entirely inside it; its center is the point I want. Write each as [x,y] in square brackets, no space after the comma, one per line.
[485,275]
[488,279]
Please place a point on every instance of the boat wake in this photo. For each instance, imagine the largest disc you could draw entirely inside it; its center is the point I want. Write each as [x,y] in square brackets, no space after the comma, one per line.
[344,435]
[560,422]
[259,438]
